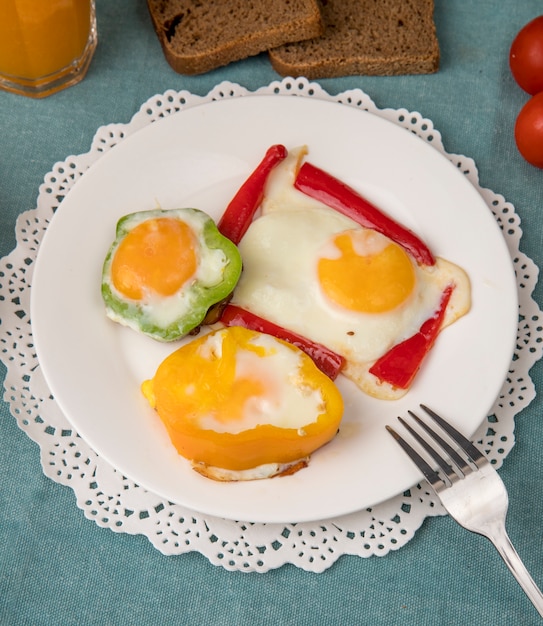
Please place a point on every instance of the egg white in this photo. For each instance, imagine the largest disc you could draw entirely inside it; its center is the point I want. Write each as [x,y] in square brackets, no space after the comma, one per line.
[288,401]
[267,470]
[279,282]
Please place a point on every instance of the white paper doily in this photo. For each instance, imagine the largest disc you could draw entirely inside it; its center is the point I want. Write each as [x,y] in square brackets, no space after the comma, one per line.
[115,502]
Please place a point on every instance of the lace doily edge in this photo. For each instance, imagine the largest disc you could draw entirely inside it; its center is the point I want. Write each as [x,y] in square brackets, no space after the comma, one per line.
[140,119]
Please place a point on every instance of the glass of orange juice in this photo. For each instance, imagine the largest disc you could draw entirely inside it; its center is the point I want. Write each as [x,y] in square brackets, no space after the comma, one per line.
[45,45]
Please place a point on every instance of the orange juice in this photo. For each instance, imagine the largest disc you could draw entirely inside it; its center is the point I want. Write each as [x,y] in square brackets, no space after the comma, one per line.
[45,45]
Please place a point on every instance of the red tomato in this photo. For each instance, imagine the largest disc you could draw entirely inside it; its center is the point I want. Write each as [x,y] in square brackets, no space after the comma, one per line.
[526,57]
[529,130]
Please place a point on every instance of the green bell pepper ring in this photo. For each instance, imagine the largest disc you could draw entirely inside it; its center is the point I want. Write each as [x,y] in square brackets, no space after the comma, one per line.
[167,318]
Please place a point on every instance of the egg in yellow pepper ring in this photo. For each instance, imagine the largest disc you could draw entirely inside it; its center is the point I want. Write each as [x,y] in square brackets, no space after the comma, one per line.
[243,405]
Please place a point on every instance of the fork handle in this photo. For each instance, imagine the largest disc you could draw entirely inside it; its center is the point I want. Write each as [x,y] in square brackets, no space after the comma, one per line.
[499,537]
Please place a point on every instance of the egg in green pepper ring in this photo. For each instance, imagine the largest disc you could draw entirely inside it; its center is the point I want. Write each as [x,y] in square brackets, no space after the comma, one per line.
[166,269]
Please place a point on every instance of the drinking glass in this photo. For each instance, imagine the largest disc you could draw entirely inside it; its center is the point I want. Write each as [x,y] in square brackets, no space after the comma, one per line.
[45,45]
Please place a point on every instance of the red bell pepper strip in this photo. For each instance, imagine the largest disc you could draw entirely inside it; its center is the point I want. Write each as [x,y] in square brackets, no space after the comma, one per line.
[327,189]
[400,364]
[240,211]
[327,361]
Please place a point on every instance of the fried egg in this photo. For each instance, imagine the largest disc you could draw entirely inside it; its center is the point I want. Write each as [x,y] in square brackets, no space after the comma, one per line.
[165,269]
[243,405]
[318,273]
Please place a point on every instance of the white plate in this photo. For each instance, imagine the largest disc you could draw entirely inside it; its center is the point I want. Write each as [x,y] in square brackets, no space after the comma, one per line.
[198,158]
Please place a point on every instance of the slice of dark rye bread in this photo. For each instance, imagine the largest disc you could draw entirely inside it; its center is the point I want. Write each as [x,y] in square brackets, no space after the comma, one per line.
[365,37]
[200,35]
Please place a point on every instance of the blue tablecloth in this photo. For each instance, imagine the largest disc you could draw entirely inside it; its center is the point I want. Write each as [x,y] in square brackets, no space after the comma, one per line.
[57,567]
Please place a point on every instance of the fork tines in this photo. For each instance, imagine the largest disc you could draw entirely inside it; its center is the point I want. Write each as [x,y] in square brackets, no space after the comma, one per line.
[454,463]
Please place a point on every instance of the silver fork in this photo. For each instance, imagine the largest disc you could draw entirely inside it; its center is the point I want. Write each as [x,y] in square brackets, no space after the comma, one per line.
[470,489]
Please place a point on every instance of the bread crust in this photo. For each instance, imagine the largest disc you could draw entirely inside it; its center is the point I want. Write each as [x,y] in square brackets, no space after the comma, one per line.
[365,37]
[198,36]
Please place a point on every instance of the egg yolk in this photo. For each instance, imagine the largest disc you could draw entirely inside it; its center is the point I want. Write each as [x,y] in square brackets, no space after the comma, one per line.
[368,273]
[236,399]
[157,256]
